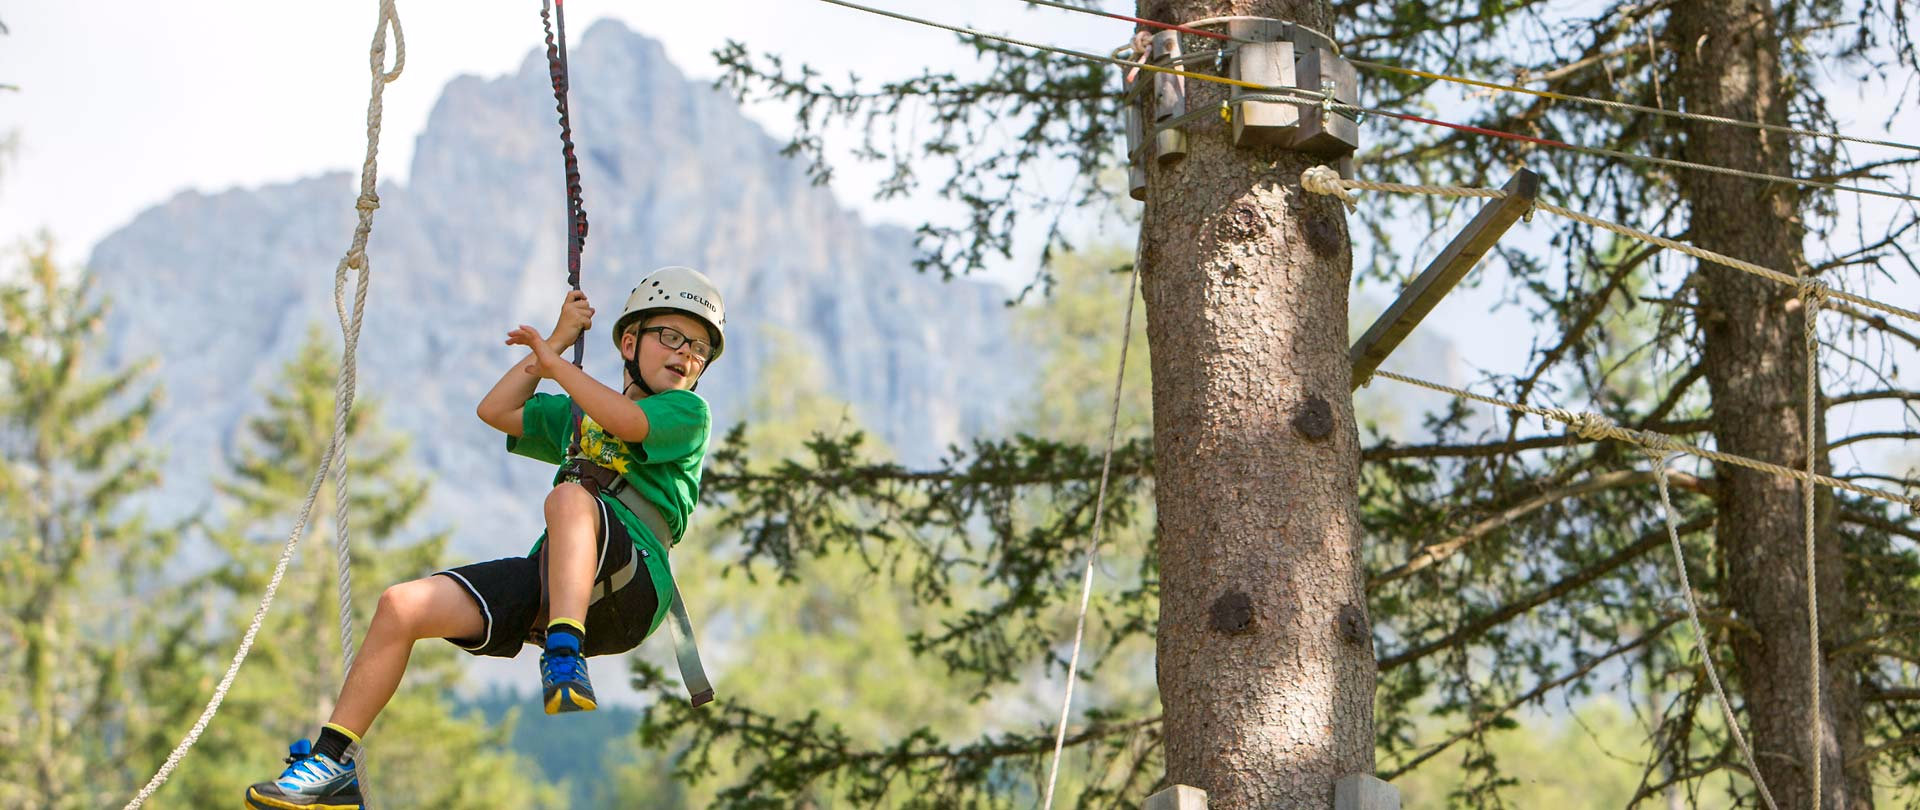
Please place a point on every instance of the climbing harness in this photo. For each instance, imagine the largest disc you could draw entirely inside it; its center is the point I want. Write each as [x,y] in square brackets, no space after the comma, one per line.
[685,650]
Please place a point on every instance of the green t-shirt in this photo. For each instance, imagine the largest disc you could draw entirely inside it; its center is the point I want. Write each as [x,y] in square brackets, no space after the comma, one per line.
[664,469]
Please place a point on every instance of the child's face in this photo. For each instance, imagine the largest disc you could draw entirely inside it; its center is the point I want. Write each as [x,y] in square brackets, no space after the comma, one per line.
[668,369]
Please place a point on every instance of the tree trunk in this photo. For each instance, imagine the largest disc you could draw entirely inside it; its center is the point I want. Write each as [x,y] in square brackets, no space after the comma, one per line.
[1266,666]
[1728,64]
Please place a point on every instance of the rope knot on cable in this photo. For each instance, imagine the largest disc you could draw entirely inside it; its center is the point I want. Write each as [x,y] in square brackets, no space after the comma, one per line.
[367,202]
[1666,447]
[1592,426]
[1324,180]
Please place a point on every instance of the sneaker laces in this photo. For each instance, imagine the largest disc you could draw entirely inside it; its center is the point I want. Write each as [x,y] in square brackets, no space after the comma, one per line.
[301,762]
[562,665]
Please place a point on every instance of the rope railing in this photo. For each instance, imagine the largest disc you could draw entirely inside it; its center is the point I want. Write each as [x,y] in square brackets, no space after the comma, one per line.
[1324,180]
[1594,426]
[1295,94]
[1700,635]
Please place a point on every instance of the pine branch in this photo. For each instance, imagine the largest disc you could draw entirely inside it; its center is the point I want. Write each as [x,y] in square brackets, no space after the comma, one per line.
[1896,435]
[1433,553]
[1887,747]
[1873,319]
[1881,524]
[1474,629]
[1486,718]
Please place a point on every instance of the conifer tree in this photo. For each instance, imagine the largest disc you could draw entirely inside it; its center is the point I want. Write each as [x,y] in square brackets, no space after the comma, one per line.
[81,614]
[1505,566]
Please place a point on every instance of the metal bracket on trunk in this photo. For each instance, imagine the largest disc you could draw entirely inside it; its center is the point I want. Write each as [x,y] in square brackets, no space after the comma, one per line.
[1169,100]
[1280,54]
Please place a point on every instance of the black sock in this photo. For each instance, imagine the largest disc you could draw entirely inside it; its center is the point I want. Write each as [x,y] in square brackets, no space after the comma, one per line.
[566,633]
[333,742]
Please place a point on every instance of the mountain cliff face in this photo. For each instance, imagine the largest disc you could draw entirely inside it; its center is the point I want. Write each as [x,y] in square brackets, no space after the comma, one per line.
[220,289]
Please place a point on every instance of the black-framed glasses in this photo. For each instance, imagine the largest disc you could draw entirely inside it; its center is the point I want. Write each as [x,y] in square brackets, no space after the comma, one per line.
[673,339]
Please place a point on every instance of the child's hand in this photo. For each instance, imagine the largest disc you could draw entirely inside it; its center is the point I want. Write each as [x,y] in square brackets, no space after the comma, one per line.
[545,358]
[576,316]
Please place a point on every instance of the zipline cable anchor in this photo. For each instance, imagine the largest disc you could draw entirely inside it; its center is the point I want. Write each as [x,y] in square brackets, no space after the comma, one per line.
[1169,100]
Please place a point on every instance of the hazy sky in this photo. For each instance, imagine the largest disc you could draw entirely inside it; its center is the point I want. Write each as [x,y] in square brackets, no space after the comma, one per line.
[123,104]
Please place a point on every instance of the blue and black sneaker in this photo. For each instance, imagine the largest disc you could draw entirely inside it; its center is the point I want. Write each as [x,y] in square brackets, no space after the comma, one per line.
[563,681]
[310,782]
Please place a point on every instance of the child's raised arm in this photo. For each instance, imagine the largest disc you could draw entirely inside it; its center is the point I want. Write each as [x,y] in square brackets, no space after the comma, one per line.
[500,408]
[617,414]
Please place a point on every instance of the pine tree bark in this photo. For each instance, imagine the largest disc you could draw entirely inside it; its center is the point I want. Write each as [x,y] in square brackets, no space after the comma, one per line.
[1266,665]
[1728,63]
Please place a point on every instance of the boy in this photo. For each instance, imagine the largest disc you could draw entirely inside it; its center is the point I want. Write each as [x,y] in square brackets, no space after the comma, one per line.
[579,592]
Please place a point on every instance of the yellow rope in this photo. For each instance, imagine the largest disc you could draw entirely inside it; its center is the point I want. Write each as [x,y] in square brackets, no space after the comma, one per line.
[1621,105]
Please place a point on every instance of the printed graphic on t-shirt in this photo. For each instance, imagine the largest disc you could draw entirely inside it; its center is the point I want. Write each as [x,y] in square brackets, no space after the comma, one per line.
[597,446]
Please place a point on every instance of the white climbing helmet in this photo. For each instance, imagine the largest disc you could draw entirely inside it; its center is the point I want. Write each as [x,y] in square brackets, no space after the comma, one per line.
[680,289]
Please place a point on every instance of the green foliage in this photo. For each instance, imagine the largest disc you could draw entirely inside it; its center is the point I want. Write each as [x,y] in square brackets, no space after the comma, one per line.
[79,615]
[908,609]
[1053,107]
[1544,581]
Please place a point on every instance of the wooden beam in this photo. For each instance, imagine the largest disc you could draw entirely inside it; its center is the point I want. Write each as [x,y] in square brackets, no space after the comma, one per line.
[1363,792]
[1442,274]
[1178,797]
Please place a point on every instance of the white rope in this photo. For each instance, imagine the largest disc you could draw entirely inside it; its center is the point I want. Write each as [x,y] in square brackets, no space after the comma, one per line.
[1324,180]
[1594,426]
[1811,296]
[1093,542]
[1699,635]
[1638,108]
[1548,94]
[355,258]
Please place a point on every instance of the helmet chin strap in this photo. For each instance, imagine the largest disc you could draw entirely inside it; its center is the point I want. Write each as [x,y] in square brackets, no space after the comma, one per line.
[633,372]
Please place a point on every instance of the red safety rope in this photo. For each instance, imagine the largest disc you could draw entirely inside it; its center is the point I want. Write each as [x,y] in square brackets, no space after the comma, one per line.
[576,207]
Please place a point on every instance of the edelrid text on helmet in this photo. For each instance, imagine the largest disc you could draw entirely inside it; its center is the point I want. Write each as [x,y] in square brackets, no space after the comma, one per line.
[679,289]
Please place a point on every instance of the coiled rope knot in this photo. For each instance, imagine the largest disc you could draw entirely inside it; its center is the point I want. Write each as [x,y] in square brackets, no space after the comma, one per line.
[1665,447]
[1324,180]
[1814,292]
[1587,424]
[367,202]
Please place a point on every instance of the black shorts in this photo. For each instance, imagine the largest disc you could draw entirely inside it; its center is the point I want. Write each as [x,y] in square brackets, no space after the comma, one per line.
[512,595]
